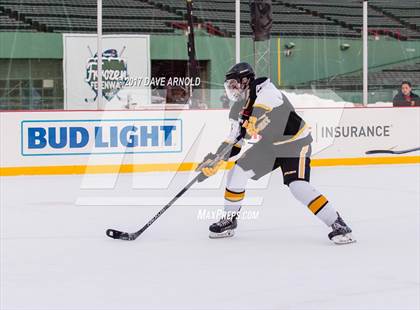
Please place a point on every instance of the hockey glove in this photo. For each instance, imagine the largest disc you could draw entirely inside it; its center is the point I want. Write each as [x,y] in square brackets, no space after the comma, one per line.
[213,162]
[250,126]
[211,165]
[254,126]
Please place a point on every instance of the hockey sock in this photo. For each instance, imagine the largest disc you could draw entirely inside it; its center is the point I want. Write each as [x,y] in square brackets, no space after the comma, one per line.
[316,203]
[235,188]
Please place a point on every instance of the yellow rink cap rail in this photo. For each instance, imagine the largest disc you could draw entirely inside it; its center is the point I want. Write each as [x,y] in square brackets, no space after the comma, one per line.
[189,166]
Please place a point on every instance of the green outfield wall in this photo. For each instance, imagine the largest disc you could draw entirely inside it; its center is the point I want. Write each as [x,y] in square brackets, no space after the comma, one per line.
[311,58]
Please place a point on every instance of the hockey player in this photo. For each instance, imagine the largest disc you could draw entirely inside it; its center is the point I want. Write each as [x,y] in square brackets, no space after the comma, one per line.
[261,109]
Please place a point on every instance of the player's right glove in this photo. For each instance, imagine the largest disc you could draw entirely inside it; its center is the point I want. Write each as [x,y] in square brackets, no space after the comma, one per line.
[250,125]
[255,125]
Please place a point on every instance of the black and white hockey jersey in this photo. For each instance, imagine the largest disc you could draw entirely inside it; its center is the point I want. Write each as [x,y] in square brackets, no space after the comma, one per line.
[284,126]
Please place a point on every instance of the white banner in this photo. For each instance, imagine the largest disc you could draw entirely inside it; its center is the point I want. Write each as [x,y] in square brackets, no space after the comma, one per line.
[158,138]
[125,65]
[101,136]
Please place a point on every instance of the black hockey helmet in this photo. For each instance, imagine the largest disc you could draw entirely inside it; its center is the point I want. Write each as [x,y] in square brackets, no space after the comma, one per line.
[238,78]
[239,71]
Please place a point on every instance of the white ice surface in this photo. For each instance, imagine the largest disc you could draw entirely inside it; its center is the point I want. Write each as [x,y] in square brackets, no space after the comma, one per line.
[55,255]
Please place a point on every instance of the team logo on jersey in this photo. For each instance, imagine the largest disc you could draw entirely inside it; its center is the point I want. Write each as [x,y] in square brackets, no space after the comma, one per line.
[289,172]
[114,74]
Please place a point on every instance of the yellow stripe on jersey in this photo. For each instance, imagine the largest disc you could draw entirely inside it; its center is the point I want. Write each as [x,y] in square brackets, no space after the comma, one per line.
[302,162]
[294,137]
[232,196]
[317,204]
[262,106]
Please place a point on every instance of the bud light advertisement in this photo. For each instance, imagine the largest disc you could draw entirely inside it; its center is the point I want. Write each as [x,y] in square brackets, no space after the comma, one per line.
[86,137]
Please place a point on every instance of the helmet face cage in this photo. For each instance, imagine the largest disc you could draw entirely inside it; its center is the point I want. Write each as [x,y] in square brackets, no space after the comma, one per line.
[237,81]
[236,89]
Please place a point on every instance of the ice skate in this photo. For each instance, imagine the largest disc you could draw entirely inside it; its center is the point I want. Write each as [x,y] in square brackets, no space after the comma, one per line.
[224,228]
[341,233]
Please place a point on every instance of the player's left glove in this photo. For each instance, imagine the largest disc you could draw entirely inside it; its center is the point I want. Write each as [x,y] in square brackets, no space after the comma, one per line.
[213,162]
[210,165]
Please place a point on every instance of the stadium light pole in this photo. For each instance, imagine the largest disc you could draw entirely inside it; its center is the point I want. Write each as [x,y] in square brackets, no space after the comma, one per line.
[365,52]
[99,54]
[238,31]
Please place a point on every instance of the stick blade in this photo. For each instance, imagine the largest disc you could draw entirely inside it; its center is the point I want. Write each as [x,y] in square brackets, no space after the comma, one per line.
[379,152]
[116,234]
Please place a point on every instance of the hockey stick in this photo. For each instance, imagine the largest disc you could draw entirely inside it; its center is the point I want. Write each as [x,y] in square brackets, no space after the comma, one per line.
[116,234]
[392,152]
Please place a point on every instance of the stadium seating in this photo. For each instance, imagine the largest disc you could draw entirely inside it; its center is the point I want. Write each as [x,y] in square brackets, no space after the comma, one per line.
[400,19]
[80,16]
[10,24]
[349,14]
[384,79]
[406,12]
[286,20]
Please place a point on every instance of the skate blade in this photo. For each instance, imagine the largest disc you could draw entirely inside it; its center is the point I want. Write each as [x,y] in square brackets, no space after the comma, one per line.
[226,234]
[343,239]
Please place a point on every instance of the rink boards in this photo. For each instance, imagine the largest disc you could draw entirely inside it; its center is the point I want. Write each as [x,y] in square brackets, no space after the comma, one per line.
[77,142]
